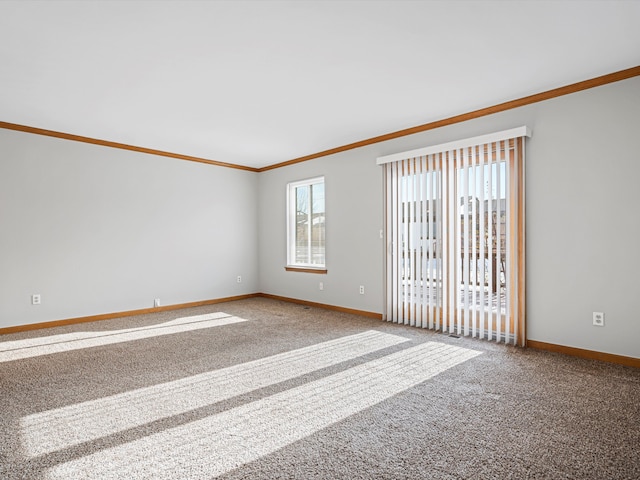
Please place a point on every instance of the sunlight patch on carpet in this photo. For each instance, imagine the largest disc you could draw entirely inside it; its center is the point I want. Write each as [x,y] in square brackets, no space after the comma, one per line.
[60,428]
[35,347]
[222,442]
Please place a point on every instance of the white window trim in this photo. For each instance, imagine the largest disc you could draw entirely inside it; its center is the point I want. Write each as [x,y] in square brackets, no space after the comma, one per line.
[291,227]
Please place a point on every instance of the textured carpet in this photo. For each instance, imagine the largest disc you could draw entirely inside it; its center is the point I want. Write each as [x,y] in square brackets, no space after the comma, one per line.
[262,389]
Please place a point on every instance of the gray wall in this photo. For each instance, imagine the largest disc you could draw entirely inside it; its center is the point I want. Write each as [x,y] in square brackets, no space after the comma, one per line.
[582,220]
[99,230]
[354,251]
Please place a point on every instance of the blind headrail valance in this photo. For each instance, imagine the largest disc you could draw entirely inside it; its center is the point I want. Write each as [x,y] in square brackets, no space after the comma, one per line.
[467,142]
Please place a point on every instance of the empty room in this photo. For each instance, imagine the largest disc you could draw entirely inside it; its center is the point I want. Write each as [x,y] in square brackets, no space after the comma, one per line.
[319,239]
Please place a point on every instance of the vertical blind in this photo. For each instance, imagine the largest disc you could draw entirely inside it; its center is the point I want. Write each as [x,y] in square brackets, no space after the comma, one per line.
[454,224]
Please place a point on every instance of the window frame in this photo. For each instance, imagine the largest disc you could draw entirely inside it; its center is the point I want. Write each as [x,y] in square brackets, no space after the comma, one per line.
[291,218]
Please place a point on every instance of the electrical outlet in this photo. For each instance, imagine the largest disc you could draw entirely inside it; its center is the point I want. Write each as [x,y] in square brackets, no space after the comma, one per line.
[36,299]
[598,319]
[156,302]
[361,289]
[239,279]
[321,286]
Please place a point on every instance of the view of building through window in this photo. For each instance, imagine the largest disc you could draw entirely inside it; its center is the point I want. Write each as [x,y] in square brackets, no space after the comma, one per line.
[307,223]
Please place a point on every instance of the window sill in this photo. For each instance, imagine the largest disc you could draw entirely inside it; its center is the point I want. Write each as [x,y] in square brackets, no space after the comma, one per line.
[322,271]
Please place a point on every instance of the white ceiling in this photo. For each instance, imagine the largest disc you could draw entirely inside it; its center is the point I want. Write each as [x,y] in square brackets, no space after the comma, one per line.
[261,82]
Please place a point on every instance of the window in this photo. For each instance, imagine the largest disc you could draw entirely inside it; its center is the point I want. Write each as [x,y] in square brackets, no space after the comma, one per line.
[455,226]
[306,225]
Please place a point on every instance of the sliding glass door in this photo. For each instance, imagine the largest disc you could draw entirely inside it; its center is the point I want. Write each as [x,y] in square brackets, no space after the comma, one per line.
[455,231]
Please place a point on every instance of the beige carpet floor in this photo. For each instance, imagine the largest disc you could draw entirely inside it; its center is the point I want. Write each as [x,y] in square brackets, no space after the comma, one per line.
[262,389]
